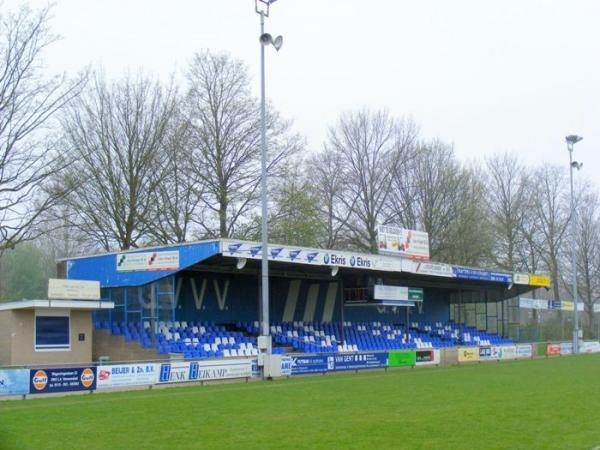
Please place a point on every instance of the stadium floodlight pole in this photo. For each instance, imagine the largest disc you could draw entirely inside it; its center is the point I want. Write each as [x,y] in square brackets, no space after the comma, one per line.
[262,9]
[571,141]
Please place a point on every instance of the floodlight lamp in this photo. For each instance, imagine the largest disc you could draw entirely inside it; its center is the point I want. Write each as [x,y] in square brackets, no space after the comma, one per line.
[267,2]
[576,165]
[573,139]
[278,42]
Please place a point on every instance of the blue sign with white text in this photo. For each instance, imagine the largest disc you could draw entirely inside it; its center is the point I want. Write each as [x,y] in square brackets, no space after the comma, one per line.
[310,364]
[355,361]
[43,381]
[481,275]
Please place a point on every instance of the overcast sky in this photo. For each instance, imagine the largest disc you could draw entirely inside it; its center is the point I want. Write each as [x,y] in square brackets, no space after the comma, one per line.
[515,75]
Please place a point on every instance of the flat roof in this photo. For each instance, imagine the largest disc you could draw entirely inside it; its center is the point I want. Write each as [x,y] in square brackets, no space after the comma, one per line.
[62,304]
[125,268]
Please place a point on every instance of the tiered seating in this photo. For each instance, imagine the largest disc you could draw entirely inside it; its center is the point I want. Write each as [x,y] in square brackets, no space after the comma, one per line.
[314,337]
[452,332]
[193,339]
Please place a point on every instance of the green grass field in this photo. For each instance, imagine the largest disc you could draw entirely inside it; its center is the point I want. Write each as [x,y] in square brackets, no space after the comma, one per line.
[545,403]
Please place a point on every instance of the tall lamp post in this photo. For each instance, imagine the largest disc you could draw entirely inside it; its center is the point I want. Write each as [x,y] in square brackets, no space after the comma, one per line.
[571,141]
[262,9]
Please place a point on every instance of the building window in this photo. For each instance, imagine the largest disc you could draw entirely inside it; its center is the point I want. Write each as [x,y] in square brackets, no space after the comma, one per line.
[52,333]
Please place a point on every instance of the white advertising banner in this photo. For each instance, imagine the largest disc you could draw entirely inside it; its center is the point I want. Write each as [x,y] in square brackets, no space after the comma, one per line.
[597,307]
[402,242]
[524,351]
[73,289]
[138,374]
[504,352]
[521,278]
[427,268]
[312,256]
[182,371]
[532,303]
[590,347]
[147,261]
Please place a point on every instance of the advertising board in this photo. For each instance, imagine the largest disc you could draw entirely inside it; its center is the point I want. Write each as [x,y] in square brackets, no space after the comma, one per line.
[357,361]
[147,261]
[310,364]
[468,273]
[524,351]
[566,348]
[427,357]
[427,268]
[468,354]
[126,375]
[485,353]
[73,289]
[402,242]
[590,347]
[399,358]
[14,382]
[182,371]
[43,381]
[553,349]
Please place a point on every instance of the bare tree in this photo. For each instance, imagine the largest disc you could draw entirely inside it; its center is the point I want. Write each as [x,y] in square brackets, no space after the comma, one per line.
[551,210]
[29,102]
[370,147]
[225,124]
[117,133]
[177,197]
[506,186]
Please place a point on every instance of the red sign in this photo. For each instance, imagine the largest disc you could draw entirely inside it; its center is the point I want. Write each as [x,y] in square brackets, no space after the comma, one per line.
[553,350]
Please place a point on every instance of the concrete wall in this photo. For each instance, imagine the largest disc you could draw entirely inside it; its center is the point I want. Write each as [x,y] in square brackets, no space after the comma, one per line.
[118,349]
[23,347]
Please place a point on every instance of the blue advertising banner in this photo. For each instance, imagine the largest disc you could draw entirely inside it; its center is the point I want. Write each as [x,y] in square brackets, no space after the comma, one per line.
[356,361]
[311,364]
[482,275]
[14,382]
[43,381]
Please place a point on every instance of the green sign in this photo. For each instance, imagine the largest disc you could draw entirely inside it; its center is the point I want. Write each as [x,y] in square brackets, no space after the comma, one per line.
[415,294]
[399,359]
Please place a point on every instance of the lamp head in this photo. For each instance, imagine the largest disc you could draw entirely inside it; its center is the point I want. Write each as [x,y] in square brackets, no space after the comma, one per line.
[266,39]
[576,165]
[573,139]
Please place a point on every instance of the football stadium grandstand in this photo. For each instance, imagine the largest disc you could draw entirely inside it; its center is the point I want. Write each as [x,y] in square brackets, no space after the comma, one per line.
[201,300]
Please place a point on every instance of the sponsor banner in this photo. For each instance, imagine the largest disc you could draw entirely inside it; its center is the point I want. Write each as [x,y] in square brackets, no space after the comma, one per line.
[482,275]
[182,371]
[126,375]
[590,347]
[468,354]
[399,358]
[312,256]
[14,382]
[553,349]
[485,353]
[148,261]
[426,357]
[597,307]
[524,351]
[286,366]
[395,293]
[570,306]
[427,268]
[42,381]
[566,348]
[355,361]
[532,303]
[504,352]
[310,364]
[554,304]
[521,278]
[73,289]
[539,280]
[402,242]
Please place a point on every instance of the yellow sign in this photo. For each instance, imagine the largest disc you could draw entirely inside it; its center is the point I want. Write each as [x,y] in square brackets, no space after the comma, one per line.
[468,354]
[539,280]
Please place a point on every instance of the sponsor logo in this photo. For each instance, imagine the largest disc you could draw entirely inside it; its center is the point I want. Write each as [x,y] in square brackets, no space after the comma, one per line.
[352,261]
[275,252]
[326,258]
[294,254]
[337,260]
[233,248]
[87,377]
[255,250]
[311,256]
[39,380]
[424,356]
[104,375]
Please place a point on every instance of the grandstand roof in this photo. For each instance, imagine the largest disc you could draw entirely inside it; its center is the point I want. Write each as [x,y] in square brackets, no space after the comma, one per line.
[145,265]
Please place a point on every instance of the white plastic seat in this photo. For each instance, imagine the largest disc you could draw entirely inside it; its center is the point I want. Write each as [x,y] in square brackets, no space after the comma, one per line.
[226,353]
[254,352]
[214,347]
[177,324]
[217,340]
[242,346]
[233,352]
[206,347]
[231,340]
